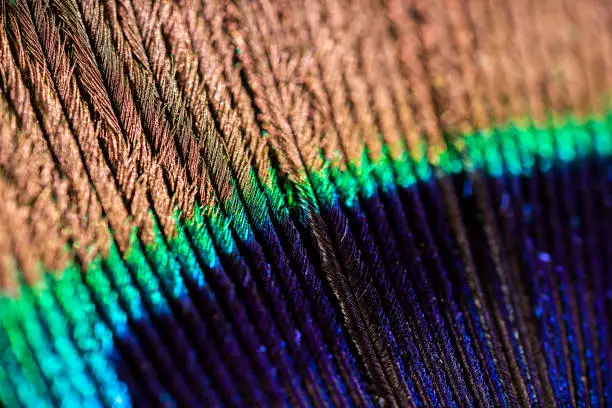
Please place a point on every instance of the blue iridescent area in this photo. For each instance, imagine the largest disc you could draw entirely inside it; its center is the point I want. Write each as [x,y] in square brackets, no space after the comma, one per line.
[481,279]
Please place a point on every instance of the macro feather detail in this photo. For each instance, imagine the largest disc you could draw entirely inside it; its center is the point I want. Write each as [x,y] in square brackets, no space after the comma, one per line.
[323,203]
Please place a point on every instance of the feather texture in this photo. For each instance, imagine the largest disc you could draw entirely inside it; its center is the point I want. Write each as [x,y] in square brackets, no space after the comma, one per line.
[324,203]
